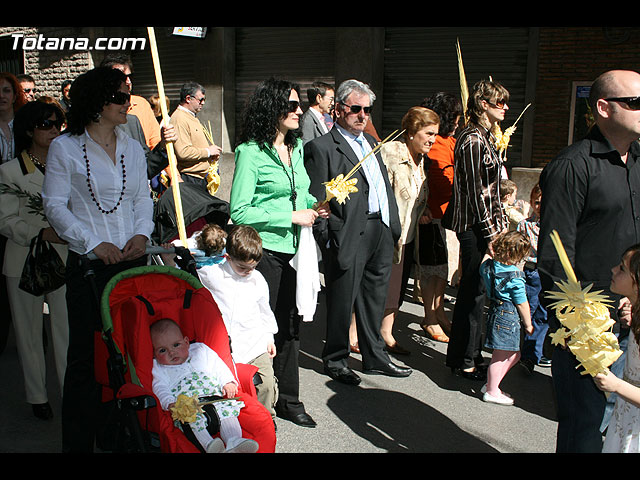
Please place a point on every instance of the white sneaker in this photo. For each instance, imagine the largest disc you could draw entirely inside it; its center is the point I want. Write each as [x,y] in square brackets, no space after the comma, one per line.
[484,390]
[245,445]
[487,397]
[215,446]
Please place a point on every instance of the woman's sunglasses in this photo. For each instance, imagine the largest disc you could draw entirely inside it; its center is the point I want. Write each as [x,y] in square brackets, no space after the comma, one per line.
[293,105]
[49,124]
[120,98]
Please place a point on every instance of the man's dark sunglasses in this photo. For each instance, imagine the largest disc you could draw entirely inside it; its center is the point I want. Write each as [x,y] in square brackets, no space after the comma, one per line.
[357,108]
[632,102]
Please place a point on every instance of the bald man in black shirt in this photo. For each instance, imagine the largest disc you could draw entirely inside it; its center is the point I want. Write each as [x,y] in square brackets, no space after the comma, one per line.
[591,197]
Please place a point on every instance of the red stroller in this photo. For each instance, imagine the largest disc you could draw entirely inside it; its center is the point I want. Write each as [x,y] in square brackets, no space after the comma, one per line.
[131,302]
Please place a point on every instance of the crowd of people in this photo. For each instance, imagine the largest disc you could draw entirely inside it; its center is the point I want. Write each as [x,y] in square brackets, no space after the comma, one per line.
[94,156]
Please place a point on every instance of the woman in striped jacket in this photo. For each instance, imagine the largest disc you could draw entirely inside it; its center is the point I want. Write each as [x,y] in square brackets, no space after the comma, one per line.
[475,213]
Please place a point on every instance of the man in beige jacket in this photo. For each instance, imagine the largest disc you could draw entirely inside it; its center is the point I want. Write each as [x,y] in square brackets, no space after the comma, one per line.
[193,149]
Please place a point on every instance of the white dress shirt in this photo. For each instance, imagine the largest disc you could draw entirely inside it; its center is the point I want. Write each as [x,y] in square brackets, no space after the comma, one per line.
[67,200]
[362,149]
[244,304]
[320,117]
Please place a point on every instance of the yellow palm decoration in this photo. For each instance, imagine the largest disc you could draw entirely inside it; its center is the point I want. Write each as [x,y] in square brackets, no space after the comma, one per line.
[186,409]
[503,138]
[213,175]
[464,89]
[585,318]
[340,189]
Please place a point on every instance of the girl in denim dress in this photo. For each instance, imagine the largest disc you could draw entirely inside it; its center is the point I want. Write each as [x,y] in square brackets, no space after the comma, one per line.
[508,307]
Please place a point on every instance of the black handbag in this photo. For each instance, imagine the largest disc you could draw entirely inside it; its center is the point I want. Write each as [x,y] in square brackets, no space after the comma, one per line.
[432,249]
[44,270]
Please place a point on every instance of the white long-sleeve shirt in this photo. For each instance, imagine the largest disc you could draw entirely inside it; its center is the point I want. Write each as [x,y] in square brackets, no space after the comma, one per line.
[203,373]
[244,304]
[67,200]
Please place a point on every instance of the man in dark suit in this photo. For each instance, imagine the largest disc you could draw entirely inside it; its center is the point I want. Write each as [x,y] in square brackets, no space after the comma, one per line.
[357,239]
[321,98]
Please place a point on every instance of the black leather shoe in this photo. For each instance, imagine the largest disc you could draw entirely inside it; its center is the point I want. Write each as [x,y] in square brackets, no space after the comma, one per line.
[390,369]
[342,375]
[477,374]
[302,419]
[42,410]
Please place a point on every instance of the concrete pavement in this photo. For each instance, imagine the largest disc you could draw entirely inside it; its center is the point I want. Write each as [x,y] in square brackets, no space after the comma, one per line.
[431,411]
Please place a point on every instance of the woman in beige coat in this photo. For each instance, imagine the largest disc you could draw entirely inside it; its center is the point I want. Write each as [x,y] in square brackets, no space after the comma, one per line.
[405,161]
[36,124]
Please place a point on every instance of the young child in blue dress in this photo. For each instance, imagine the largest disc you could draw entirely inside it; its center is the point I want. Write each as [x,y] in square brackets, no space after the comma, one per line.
[506,290]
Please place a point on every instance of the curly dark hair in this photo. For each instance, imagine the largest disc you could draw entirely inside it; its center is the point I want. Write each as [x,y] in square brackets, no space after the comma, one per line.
[28,117]
[511,247]
[268,104]
[89,93]
[448,107]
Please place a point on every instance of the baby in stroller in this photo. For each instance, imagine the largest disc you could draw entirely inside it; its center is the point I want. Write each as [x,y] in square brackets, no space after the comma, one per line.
[195,369]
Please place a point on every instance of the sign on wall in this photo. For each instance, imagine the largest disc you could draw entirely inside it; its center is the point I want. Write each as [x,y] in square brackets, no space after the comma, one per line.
[195,32]
[581,117]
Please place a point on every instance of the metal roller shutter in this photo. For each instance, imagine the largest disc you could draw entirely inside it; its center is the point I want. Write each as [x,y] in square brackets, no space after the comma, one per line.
[302,55]
[176,61]
[422,61]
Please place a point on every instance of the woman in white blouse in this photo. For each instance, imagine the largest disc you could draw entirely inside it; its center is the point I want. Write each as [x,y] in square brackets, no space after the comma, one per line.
[96,197]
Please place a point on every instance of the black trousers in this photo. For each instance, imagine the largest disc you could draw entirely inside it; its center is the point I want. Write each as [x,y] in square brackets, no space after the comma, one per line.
[281,278]
[362,288]
[465,342]
[81,412]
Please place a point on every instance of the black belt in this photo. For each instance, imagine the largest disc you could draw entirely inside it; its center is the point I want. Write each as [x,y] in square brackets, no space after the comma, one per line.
[371,216]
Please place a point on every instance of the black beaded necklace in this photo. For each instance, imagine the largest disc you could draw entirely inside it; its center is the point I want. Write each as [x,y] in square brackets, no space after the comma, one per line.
[93,197]
[292,183]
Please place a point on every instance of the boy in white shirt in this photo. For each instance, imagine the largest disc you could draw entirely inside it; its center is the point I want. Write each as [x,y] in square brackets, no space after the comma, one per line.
[242,294]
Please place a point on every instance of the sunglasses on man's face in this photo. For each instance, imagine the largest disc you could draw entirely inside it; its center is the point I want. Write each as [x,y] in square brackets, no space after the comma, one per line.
[357,108]
[632,102]
[120,98]
[48,124]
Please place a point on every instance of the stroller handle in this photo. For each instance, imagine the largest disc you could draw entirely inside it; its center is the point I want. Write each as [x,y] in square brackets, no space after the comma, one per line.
[150,250]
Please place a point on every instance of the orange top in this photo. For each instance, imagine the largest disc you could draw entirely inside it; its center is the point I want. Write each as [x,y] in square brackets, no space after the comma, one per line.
[141,108]
[440,175]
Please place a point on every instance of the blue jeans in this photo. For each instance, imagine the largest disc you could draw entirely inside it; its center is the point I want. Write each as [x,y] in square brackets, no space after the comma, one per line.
[532,344]
[503,327]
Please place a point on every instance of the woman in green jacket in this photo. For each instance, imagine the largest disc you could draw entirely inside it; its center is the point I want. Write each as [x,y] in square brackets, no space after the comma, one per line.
[270,192]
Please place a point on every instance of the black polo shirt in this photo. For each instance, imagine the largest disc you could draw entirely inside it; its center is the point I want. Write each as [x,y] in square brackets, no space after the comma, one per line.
[592,199]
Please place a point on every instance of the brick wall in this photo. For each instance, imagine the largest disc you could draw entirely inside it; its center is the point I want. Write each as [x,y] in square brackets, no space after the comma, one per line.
[51,67]
[568,54]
